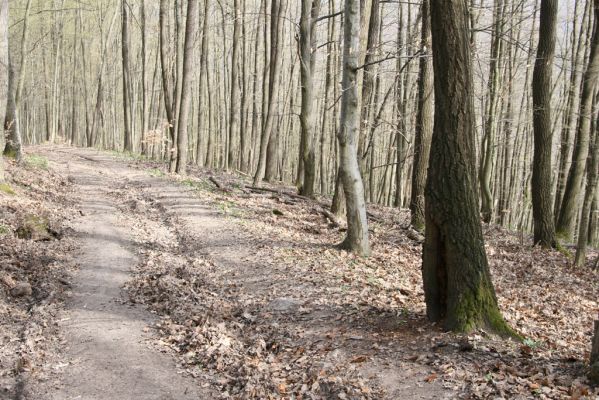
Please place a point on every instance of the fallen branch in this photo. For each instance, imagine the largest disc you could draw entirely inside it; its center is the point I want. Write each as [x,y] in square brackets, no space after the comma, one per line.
[219,185]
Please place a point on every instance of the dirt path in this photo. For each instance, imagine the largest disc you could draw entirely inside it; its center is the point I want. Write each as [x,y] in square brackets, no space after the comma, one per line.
[244,304]
[107,339]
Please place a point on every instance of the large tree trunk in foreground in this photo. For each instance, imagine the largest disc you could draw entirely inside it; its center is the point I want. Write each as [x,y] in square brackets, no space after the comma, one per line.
[570,204]
[424,123]
[357,224]
[542,202]
[457,281]
[3,72]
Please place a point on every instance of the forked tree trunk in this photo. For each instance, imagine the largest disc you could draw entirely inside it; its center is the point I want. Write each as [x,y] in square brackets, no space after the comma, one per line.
[542,202]
[357,224]
[457,281]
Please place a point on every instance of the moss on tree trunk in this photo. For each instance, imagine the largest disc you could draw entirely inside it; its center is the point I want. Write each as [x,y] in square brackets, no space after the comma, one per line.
[457,280]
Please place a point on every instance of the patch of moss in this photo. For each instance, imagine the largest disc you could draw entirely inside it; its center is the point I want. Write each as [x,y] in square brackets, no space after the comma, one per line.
[34,228]
[36,161]
[157,173]
[5,188]
[10,152]
[562,249]
[479,310]
[4,230]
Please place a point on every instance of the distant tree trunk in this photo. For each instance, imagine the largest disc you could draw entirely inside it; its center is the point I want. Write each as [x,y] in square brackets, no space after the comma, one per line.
[424,122]
[571,200]
[457,281]
[542,203]
[144,60]
[591,188]
[357,224]
[191,28]
[203,73]
[12,126]
[12,121]
[166,87]
[307,40]
[234,108]
[488,148]
[275,66]
[3,72]
[125,43]
[569,119]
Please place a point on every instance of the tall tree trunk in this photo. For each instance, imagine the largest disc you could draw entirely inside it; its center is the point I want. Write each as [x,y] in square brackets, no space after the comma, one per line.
[277,8]
[234,107]
[570,204]
[166,87]
[357,223]
[307,40]
[125,44]
[191,28]
[569,119]
[424,122]
[457,281]
[591,188]
[144,67]
[542,203]
[488,150]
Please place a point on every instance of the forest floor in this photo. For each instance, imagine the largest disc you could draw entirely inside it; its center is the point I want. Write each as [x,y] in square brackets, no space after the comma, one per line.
[138,284]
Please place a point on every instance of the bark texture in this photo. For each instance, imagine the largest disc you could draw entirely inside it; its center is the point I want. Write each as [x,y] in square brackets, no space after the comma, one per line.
[457,281]
[542,202]
[424,122]
[357,224]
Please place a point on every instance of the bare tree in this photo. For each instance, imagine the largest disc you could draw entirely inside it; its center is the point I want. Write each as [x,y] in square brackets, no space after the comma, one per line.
[542,202]
[457,282]
[357,231]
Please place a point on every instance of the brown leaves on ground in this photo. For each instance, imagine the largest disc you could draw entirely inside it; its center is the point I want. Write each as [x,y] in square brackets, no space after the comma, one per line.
[34,272]
[357,327]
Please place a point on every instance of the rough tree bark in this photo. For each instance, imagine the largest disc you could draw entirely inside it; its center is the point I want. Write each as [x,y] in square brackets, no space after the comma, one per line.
[457,281]
[594,372]
[424,122]
[357,224]
[567,217]
[191,28]
[542,202]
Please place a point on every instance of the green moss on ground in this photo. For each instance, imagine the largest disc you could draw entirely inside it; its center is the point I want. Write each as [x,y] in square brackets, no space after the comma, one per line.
[6,189]
[34,227]
[36,161]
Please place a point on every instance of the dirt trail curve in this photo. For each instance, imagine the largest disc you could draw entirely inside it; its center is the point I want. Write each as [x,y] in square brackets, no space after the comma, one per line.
[106,339]
[109,350]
